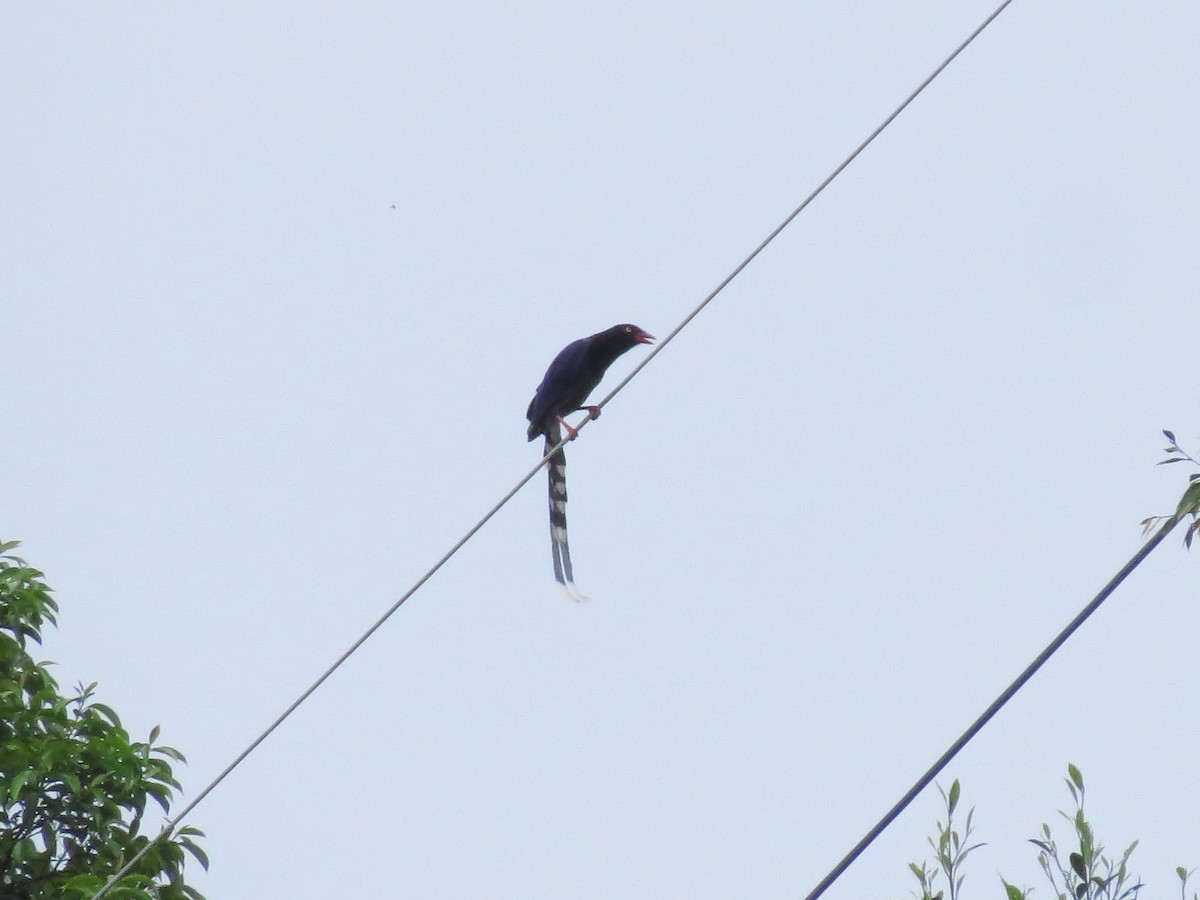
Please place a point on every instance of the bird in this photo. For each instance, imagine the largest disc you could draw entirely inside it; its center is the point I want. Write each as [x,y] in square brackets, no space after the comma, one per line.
[572,375]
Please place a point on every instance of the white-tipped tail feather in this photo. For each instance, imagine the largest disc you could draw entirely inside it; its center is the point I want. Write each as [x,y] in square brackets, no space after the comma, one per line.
[560,549]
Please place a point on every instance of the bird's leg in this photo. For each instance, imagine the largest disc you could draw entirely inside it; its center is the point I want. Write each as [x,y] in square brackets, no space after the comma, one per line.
[593,413]
[572,431]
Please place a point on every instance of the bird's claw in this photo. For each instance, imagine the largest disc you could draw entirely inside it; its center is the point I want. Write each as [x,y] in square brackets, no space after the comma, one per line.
[572,431]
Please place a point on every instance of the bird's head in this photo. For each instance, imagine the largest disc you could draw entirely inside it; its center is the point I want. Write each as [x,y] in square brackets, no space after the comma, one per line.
[605,346]
[632,335]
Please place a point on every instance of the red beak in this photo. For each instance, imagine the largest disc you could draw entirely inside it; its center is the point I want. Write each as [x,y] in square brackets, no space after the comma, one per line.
[644,337]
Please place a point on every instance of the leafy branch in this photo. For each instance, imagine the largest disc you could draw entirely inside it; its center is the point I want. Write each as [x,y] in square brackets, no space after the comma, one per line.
[74,785]
[1078,871]
[951,850]
[1189,504]
[1086,873]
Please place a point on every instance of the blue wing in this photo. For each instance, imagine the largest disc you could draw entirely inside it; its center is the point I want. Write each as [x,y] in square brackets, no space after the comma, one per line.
[564,387]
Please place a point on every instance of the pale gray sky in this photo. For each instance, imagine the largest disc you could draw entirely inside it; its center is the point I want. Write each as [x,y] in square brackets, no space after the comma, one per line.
[248,403]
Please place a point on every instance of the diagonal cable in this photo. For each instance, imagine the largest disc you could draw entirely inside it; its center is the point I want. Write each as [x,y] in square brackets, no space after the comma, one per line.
[174,822]
[807,200]
[1006,695]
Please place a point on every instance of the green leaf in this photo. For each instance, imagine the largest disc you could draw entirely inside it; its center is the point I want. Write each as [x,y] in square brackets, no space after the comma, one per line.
[1012,891]
[1077,865]
[171,752]
[955,792]
[201,856]
[132,893]
[18,783]
[107,711]
[1087,844]
[1190,501]
[1076,775]
[84,883]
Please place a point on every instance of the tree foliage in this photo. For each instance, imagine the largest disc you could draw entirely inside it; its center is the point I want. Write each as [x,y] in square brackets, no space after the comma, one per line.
[1189,503]
[73,787]
[1077,870]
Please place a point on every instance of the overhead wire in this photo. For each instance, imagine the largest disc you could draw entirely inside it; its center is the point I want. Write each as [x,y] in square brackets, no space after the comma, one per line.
[174,821]
[1007,694]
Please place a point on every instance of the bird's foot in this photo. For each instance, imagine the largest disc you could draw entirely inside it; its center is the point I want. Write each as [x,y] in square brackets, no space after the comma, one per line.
[572,431]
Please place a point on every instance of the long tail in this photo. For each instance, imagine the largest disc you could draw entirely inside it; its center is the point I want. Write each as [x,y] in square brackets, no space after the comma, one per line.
[560,550]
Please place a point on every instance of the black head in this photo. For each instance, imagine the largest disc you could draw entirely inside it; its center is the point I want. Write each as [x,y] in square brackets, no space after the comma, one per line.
[616,340]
